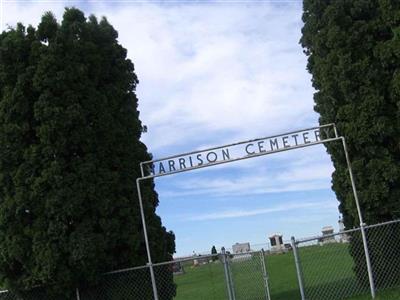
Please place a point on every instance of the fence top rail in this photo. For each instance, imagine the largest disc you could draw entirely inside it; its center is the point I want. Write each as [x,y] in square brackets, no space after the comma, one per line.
[205,256]
[126,270]
[249,252]
[179,260]
[304,240]
[382,224]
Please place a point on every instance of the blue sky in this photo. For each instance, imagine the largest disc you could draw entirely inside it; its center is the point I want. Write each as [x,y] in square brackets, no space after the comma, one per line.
[212,74]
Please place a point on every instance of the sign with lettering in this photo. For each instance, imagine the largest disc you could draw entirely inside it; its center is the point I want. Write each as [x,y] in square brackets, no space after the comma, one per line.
[238,151]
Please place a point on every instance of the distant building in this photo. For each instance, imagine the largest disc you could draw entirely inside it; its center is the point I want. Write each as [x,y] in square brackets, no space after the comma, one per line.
[344,238]
[277,244]
[327,235]
[326,230]
[241,248]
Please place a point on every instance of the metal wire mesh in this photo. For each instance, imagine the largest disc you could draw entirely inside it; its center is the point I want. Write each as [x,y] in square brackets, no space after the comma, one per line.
[132,283]
[331,267]
[197,278]
[6,295]
[248,275]
[328,267]
[384,251]
[282,279]
[334,266]
[34,294]
[166,288]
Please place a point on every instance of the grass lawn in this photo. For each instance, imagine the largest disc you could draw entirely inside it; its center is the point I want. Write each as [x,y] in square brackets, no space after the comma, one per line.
[393,294]
[327,275]
[201,282]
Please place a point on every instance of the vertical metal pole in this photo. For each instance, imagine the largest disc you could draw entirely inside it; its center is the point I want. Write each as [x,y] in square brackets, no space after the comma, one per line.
[362,224]
[368,261]
[146,240]
[77,294]
[226,271]
[265,274]
[141,169]
[228,263]
[335,130]
[298,269]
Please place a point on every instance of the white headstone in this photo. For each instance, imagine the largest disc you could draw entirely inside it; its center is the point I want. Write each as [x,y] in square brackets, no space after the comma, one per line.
[241,248]
[276,243]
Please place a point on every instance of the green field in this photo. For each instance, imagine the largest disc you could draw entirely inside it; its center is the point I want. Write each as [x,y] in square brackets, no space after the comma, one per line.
[384,295]
[327,275]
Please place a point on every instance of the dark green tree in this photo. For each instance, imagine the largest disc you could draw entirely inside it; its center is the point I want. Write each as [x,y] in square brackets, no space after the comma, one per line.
[354,58]
[69,156]
[214,252]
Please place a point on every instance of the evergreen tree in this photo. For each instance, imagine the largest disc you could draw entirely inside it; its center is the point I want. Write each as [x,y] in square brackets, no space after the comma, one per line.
[214,252]
[69,156]
[354,58]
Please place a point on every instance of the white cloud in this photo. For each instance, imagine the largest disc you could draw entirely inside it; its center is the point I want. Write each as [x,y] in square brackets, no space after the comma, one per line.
[251,185]
[239,213]
[207,71]
[215,70]
[287,173]
[212,75]
[29,13]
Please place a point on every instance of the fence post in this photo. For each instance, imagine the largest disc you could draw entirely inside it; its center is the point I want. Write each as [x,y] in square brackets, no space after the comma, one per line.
[146,240]
[227,275]
[228,263]
[368,261]
[298,268]
[364,238]
[265,275]
[77,294]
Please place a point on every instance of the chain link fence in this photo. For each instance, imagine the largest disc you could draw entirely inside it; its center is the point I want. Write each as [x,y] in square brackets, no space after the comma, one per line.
[133,283]
[334,266]
[33,294]
[200,277]
[203,277]
[249,276]
[384,250]
[328,267]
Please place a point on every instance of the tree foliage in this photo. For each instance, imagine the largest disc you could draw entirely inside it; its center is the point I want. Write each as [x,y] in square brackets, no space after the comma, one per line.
[69,156]
[353,50]
[214,252]
[354,58]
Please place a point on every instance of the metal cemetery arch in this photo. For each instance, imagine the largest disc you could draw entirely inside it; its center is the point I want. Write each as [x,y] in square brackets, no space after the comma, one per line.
[244,150]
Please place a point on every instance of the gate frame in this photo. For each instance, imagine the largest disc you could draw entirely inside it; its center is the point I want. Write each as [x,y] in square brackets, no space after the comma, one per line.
[336,138]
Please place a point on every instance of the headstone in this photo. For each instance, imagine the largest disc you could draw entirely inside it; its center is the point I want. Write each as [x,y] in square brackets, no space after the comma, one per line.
[277,245]
[327,236]
[241,248]
[177,268]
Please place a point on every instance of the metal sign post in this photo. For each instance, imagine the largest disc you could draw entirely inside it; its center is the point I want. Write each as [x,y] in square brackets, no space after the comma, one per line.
[362,224]
[146,240]
[244,150]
